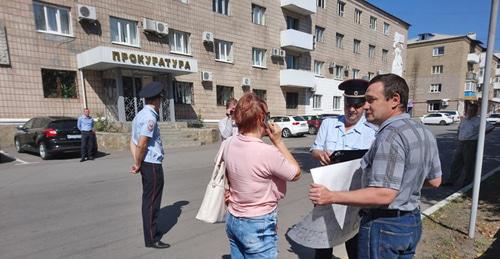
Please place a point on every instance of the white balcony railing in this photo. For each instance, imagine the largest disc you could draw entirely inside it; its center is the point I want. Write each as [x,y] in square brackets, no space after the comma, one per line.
[473,58]
[304,7]
[497,72]
[296,40]
[496,85]
[297,78]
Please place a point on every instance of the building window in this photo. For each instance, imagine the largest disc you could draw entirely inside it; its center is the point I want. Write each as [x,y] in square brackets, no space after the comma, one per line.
[321,3]
[258,57]
[373,23]
[384,55]
[221,6]
[356,46]
[438,51]
[339,72]
[318,67]
[223,94]
[355,73]
[470,86]
[336,102]
[370,75]
[179,42]
[258,14]
[123,31]
[317,101]
[260,93]
[183,92]
[318,34]
[338,40]
[371,51]
[292,100]
[340,8]
[292,23]
[357,16]
[386,28]
[292,62]
[435,88]
[437,69]
[223,51]
[434,106]
[52,19]
[59,83]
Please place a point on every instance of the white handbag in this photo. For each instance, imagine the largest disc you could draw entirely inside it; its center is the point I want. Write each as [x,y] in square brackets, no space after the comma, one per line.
[213,207]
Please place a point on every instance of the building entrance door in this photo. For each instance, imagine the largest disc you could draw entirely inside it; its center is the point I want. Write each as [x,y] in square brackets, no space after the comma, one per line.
[133,103]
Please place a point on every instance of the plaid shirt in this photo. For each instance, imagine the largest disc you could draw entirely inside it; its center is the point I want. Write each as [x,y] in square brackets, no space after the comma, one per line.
[403,156]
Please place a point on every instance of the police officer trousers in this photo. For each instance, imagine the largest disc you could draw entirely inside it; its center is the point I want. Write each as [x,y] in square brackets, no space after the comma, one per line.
[152,188]
[87,145]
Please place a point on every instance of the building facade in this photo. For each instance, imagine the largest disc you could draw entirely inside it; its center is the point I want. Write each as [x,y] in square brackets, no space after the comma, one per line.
[444,72]
[58,56]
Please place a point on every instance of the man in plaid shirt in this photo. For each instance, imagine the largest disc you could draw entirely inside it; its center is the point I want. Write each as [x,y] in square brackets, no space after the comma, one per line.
[403,158]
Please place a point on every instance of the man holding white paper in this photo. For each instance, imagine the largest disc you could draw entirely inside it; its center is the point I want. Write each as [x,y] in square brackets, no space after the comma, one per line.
[402,159]
[351,131]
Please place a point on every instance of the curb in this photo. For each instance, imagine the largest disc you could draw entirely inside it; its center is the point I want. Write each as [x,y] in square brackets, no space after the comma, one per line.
[457,194]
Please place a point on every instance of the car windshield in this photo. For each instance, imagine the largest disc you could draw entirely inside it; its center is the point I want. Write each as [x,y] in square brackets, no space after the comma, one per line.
[495,115]
[63,124]
[298,118]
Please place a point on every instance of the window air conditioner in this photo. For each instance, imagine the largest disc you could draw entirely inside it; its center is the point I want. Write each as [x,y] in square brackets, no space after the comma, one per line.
[332,65]
[206,76]
[246,81]
[275,52]
[149,25]
[282,53]
[86,12]
[161,28]
[208,37]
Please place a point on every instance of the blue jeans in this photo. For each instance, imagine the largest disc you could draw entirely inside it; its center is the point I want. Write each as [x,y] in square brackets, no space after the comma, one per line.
[252,237]
[389,237]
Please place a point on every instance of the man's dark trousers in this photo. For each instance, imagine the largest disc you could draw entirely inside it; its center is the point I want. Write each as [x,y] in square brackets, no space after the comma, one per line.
[87,146]
[152,188]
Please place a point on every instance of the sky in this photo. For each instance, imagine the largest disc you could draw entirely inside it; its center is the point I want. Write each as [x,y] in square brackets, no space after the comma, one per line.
[452,17]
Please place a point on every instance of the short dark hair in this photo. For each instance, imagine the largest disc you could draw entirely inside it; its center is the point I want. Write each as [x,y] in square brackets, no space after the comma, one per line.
[149,100]
[394,84]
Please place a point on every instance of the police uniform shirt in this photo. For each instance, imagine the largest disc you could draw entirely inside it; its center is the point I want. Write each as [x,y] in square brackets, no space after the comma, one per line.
[85,123]
[145,124]
[332,135]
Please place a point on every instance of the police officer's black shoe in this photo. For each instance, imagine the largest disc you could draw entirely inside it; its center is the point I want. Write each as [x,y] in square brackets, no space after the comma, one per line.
[159,245]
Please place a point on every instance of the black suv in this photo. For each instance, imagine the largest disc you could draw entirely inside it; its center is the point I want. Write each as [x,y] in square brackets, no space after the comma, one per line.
[49,136]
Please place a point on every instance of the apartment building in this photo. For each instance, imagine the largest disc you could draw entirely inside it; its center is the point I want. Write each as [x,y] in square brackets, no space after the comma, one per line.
[57,56]
[445,72]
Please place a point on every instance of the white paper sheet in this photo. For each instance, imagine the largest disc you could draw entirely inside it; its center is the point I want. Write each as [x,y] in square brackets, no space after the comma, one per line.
[336,177]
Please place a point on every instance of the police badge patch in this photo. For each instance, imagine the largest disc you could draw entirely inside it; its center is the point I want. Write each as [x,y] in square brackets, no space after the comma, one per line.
[151,125]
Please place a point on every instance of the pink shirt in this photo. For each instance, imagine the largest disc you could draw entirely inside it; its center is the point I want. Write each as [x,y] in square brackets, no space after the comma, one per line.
[257,174]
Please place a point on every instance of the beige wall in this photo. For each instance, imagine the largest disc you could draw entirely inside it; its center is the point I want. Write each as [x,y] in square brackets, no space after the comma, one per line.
[21,93]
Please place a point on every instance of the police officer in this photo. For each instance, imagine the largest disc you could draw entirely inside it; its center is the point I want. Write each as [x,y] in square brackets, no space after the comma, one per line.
[86,125]
[348,132]
[147,150]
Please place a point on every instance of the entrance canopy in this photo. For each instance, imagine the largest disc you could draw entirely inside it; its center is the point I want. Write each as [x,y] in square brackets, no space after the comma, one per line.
[103,58]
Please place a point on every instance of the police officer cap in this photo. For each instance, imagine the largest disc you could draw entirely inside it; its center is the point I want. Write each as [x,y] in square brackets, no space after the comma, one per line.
[354,90]
[151,90]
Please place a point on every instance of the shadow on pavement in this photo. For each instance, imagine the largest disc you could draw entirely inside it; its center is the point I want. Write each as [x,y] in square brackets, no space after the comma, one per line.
[5,159]
[494,250]
[169,216]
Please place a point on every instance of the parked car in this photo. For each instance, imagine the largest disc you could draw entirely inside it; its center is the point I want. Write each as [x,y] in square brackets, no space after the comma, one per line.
[436,118]
[291,125]
[452,114]
[329,115]
[494,119]
[49,136]
[313,123]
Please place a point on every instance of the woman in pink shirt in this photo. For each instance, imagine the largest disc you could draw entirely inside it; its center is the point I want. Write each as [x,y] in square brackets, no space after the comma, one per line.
[257,175]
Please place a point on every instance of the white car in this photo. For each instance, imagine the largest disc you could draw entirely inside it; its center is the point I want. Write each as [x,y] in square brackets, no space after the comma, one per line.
[436,118]
[291,125]
[494,119]
[452,114]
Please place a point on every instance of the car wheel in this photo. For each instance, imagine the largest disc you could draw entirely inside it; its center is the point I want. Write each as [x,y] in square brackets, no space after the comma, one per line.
[312,130]
[442,123]
[42,150]
[19,149]
[286,133]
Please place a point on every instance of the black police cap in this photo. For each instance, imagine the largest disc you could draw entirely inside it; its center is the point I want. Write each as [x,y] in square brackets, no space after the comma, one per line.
[354,90]
[151,90]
